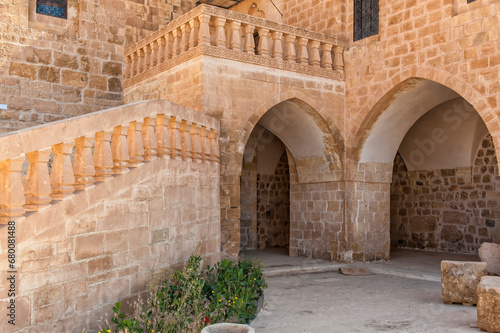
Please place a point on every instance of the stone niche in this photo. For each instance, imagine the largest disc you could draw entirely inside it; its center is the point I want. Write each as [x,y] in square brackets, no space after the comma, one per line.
[452,210]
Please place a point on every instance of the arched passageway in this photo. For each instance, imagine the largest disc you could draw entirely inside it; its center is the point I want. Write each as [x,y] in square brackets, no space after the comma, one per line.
[430,150]
[290,183]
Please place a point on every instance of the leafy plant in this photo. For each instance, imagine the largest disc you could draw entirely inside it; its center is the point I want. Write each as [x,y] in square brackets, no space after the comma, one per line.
[194,298]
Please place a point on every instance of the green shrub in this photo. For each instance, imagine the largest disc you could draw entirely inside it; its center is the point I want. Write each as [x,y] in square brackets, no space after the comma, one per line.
[194,298]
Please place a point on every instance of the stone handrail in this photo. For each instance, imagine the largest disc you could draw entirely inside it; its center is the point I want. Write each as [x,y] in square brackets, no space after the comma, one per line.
[91,148]
[227,34]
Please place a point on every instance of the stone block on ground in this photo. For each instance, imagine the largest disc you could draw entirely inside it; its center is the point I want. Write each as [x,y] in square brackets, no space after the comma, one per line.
[488,304]
[490,254]
[459,280]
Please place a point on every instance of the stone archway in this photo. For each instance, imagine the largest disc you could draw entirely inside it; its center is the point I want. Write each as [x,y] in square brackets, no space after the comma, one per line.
[313,154]
[383,133]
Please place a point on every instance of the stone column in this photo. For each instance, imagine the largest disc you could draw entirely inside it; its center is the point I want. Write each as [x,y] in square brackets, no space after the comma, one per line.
[11,189]
[61,175]
[37,187]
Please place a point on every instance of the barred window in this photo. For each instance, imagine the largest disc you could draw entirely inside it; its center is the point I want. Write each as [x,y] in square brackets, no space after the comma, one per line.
[56,8]
[365,18]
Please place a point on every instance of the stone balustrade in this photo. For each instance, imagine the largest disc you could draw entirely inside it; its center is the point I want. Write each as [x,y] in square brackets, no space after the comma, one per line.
[86,150]
[208,30]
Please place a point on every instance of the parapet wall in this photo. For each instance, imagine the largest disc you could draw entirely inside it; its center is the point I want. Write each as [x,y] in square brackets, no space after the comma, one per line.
[144,213]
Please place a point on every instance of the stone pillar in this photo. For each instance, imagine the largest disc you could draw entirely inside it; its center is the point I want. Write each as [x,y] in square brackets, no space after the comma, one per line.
[235,36]
[61,175]
[263,47]
[194,26]
[149,138]
[11,189]
[103,160]
[290,54]
[249,41]
[220,33]
[119,149]
[327,61]
[303,57]
[135,144]
[277,47]
[315,59]
[37,187]
[204,33]
[83,164]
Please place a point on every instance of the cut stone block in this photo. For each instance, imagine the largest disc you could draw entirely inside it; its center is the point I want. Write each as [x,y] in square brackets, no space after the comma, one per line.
[488,304]
[490,254]
[459,280]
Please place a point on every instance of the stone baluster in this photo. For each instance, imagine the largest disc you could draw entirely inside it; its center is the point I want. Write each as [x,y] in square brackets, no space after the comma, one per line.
[249,41]
[149,138]
[315,58]
[195,142]
[277,46]
[338,58]
[37,187]
[134,143]
[303,57]
[213,138]
[11,189]
[204,33]
[168,46]
[83,164]
[263,47]
[162,137]
[175,138]
[204,145]
[184,130]
[220,32]
[141,61]
[128,69]
[290,54]
[147,57]
[326,62]
[155,60]
[184,37]
[235,43]
[119,149]
[176,42]
[194,26]
[135,64]
[61,174]
[161,49]
[103,160]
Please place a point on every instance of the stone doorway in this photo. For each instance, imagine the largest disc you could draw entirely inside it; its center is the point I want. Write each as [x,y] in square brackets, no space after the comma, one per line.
[265,194]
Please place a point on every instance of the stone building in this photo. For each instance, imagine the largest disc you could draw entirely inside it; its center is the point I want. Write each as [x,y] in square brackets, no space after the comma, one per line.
[335,128]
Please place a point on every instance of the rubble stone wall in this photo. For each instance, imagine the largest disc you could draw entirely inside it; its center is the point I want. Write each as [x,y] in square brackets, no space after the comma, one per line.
[446,210]
[273,206]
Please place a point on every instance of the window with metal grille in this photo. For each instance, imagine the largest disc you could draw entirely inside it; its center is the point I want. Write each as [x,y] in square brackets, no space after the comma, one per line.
[56,8]
[365,18]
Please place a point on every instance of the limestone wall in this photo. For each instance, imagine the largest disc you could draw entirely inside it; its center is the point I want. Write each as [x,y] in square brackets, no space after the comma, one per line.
[79,257]
[52,68]
[316,220]
[446,210]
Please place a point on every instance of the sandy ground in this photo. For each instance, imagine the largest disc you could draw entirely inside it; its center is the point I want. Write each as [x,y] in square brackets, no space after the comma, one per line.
[404,296]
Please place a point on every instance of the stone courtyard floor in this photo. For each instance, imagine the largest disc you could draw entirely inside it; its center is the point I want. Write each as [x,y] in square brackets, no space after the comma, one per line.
[404,295]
